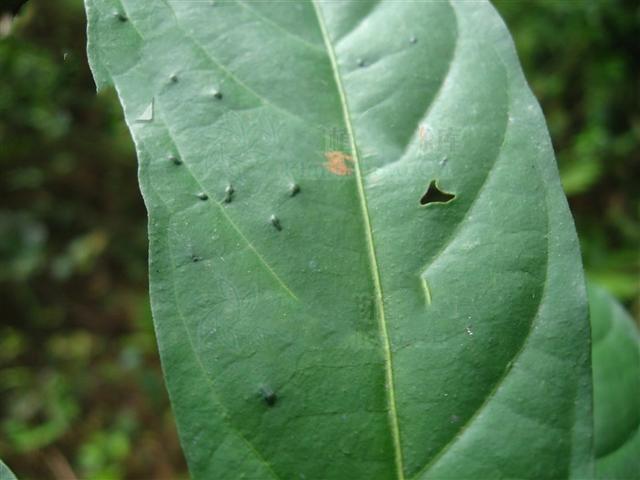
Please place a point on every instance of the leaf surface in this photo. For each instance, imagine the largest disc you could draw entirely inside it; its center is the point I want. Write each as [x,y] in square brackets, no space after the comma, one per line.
[616,387]
[362,264]
[6,473]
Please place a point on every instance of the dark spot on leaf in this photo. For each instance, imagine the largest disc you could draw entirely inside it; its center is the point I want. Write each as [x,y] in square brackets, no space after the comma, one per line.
[203,196]
[175,160]
[268,395]
[275,221]
[228,194]
[294,189]
[195,258]
[217,95]
[435,195]
[120,16]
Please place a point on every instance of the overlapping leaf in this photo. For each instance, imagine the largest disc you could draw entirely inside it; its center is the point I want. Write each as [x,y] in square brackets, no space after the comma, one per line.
[616,387]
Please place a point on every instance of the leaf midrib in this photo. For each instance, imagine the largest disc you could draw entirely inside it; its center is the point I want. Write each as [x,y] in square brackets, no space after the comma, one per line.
[375,270]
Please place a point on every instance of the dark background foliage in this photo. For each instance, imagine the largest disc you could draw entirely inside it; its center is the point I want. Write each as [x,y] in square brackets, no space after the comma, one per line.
[81,391]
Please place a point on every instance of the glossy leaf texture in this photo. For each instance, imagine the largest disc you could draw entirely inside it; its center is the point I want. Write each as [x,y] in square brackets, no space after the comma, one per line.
[362,264]
[616,387]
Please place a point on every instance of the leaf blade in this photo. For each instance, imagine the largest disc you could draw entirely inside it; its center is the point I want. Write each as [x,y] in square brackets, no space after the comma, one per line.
[616,385]
[375,269]
[6,473]
[268,289]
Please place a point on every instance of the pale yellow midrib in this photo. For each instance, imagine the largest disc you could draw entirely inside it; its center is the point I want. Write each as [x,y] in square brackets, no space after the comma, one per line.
[391,400]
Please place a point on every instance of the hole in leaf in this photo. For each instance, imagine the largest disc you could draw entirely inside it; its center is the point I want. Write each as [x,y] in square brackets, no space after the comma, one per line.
[435,195]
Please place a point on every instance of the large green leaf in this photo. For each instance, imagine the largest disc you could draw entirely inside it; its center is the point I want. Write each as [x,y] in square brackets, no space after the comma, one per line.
[315,319]
[616,387]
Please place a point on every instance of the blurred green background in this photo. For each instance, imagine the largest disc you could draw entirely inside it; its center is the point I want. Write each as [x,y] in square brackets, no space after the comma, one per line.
[81,391]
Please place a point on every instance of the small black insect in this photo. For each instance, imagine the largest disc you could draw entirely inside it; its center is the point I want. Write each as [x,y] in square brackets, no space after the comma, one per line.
[120,16]
[268,396]
[294,189]
[275,221]
[228,194]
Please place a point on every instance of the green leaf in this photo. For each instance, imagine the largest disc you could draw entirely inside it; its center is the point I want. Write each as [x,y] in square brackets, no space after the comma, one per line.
[6,473]
[616,387]
[362,263]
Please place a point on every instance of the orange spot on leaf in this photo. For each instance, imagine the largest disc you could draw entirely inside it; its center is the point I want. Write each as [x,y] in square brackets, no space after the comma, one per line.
[336,163]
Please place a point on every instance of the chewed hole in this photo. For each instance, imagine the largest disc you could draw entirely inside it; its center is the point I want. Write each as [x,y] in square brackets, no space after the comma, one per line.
[435,195]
